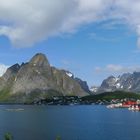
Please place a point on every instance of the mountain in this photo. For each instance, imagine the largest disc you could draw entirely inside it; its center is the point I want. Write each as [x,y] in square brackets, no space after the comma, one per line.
[94,89]
[36,79]
[126,82]
[82,83]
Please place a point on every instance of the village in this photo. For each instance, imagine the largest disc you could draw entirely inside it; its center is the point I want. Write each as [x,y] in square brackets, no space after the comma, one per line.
[131,104]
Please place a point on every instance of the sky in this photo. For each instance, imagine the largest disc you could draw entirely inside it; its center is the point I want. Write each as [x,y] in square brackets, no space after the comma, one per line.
[93,39]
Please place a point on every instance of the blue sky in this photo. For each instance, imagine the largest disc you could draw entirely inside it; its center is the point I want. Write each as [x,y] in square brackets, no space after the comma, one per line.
[93,47]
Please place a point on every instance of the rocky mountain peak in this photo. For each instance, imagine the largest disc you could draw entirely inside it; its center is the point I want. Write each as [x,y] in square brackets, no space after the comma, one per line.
[11,71]
[110,81]
[36,79]
[125,82]
[39,60]
[14,68]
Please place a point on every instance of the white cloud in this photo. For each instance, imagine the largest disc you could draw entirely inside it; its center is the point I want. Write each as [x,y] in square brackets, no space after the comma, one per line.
[26,22]
[65,62]
[3,69]
[95,36]
[116,69]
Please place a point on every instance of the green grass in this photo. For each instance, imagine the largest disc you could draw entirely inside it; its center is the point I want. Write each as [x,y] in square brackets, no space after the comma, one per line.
[5,95]
[112,95]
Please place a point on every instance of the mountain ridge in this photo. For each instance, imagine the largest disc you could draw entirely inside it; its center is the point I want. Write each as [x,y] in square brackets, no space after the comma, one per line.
[129,82]
[35,79]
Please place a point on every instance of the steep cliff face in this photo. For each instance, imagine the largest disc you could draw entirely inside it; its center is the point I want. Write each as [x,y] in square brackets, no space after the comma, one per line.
[83,84]
[36,79]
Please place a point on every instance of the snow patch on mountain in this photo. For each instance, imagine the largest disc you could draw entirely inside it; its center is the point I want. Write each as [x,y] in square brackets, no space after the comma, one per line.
[94,89]
[118,85]
[69,74]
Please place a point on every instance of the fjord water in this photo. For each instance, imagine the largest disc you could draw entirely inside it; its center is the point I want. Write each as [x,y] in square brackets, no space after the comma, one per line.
[70,122]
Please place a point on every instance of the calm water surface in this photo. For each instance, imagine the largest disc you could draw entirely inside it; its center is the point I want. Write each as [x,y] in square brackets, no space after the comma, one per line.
[70,122]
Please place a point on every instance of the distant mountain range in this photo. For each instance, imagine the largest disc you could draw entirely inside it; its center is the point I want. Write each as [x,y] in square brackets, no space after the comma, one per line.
[36,79]
[126,82]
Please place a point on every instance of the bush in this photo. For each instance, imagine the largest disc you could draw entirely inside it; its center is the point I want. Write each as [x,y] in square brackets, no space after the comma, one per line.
[58,138]
[8,136]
